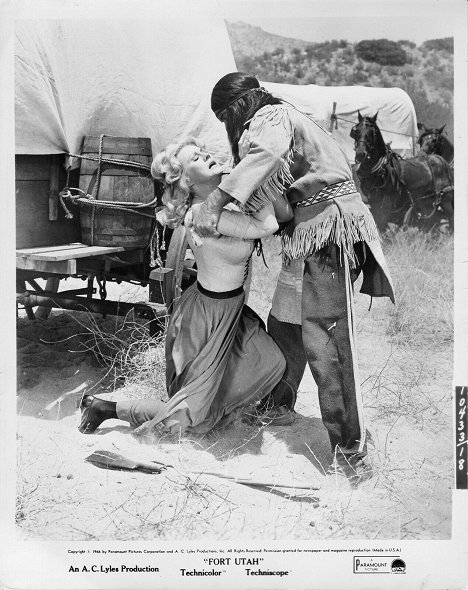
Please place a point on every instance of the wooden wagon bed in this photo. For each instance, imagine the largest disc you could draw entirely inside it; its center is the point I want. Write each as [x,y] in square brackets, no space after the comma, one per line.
[50,248]
[60,259]
[54,263]
[98,263]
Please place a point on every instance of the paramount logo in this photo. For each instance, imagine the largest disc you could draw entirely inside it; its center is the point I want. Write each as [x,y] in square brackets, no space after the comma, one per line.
[380,564]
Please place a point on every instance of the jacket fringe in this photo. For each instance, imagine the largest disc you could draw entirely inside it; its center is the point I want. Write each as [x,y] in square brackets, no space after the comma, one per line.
[272,188]
[343,229]
[281,180]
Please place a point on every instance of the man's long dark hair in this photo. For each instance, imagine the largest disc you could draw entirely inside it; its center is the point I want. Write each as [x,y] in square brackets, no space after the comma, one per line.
[235,100]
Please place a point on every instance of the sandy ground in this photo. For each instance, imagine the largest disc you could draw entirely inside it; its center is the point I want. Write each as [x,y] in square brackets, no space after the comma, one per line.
[60,496]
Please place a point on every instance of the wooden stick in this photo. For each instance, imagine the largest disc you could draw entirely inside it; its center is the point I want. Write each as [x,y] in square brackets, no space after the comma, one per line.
[254,482]
[60,399]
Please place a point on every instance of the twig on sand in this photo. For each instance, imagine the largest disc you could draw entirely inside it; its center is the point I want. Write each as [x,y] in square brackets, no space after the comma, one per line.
[316,458]
[117,507]
[85,532]
[195,482]
[59,400]
[255,482]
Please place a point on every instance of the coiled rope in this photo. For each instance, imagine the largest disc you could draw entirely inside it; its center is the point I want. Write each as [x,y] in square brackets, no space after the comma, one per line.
[86,200]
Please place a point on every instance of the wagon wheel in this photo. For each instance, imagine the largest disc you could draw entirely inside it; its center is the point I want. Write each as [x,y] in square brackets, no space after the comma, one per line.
[52,285]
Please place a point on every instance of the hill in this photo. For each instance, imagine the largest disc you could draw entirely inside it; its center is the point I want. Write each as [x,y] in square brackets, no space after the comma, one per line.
[425,72]
[249,41]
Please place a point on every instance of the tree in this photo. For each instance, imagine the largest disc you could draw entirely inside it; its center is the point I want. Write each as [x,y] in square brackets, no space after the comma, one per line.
[445,44]
[382,51]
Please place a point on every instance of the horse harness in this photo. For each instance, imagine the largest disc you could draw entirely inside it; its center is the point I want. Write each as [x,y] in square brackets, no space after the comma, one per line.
[385,172]
[438,195]
[387,169]
[431,134]
[436,146]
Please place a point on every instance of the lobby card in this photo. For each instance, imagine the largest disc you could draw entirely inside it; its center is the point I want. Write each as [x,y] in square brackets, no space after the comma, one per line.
[249,505]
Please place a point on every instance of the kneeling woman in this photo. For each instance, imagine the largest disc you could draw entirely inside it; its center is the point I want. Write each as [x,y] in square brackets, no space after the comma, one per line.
[218,355]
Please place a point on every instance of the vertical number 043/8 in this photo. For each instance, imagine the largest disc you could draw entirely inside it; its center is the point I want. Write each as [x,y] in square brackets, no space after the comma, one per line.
[461,437]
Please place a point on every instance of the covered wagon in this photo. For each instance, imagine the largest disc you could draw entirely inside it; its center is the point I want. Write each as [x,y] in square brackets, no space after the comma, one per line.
[336,109]
[94,101]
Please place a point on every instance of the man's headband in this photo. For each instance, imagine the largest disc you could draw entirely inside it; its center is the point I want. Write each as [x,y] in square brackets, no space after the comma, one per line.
[240,95]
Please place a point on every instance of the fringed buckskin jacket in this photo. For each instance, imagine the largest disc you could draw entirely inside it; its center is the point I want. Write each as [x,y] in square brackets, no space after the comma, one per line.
[284,151]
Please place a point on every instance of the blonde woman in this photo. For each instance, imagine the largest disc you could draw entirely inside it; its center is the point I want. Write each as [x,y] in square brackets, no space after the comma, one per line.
[218,355]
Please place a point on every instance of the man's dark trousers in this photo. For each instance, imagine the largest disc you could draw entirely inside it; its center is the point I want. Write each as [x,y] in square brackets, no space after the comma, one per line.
[326,340]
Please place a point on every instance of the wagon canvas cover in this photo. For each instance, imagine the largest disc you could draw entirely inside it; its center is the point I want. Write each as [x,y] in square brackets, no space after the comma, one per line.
[153,78]
[396,118]
[136,78]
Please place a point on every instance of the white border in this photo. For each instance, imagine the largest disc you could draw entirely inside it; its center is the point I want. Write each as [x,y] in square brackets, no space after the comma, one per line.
[36,564]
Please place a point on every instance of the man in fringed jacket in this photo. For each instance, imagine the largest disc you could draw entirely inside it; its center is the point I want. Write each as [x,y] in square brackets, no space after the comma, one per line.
[278,150]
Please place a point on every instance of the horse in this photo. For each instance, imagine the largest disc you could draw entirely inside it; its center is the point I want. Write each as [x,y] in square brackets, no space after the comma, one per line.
[417,191]
[434,141]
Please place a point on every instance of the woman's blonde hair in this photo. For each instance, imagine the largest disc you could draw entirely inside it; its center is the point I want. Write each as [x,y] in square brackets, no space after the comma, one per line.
[167,168]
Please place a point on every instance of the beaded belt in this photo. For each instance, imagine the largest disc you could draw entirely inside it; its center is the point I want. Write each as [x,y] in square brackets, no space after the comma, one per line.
[329,192]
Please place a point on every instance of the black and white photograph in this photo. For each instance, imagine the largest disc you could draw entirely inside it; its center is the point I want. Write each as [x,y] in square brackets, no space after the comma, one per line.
[234,349]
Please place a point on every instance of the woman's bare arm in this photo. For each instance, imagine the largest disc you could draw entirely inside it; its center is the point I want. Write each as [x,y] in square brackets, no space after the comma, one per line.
[249,227]
[239,225]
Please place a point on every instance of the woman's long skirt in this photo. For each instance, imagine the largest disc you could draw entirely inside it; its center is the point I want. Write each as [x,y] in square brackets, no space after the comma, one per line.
[218,358]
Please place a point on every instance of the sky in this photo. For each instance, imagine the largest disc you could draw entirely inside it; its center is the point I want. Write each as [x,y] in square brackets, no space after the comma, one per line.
[352,20]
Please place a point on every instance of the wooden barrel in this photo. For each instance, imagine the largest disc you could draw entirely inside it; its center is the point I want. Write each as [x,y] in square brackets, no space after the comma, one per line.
[103,226]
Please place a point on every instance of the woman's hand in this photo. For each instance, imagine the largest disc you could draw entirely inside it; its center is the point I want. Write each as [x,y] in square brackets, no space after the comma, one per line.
[283,209]
[188,222]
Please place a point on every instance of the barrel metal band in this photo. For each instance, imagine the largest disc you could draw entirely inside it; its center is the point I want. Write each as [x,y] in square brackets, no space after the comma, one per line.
[329,192]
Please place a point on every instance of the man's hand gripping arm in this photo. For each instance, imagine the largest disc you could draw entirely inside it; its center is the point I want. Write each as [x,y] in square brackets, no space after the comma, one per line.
[206,217]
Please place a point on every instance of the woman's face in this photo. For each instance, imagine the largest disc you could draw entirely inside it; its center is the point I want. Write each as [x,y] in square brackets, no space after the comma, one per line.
[199,165]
